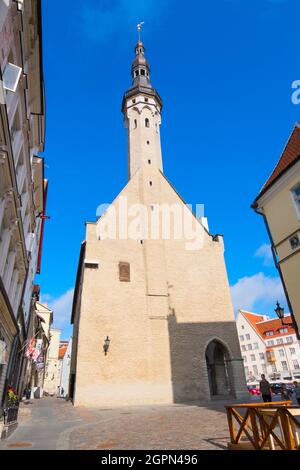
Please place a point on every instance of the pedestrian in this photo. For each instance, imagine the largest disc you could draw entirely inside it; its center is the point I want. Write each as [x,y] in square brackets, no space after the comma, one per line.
[297,391]
[265,389]
[28,392]
[286,394]
[62,391]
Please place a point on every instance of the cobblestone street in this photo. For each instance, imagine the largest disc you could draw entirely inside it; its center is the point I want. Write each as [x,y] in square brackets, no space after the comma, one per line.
[52,423]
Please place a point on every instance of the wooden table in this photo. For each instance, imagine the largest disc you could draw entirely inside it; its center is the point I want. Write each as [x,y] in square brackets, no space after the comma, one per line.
[260,423]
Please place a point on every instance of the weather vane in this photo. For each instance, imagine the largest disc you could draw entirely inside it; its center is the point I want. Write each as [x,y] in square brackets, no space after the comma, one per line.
[139,27]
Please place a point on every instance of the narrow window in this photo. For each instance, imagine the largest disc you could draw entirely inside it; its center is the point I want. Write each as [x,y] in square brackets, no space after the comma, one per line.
[150,182]
[296,196]
[146,100]
[11,76]
[147,122]
[136,73]
[295,242]
[149,162]
[135,123]
[91,264]
[148,142]
[142,72]
[133,100]
[124,271]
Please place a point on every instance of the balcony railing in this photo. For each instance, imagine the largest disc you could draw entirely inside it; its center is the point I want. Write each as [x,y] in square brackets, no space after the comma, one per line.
[270,356]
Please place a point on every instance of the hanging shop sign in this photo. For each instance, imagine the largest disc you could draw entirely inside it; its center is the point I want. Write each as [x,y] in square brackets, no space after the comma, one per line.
[34,348]
[30,347]
[40,362]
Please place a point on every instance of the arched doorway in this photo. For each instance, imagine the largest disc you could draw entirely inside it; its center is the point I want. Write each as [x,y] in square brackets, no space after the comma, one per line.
[218,368]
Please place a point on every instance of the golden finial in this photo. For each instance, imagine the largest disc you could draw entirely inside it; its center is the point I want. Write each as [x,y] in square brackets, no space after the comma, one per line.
[139,27]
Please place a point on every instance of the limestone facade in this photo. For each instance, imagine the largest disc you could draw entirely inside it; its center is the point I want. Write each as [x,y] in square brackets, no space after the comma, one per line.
[163,301]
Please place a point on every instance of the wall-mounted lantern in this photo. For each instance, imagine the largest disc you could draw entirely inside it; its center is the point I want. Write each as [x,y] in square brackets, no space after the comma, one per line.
[106,345]
[280,314]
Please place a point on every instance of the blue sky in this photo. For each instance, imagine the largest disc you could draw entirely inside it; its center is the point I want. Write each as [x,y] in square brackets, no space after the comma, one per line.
[224,70]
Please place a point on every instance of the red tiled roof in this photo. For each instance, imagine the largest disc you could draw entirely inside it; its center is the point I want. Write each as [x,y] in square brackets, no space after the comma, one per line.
[289,156]
[62,351]
[275,325]
[261,326]
[253,319]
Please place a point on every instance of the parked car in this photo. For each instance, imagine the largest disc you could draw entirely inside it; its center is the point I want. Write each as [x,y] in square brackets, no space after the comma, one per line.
[276,388]
[253,390]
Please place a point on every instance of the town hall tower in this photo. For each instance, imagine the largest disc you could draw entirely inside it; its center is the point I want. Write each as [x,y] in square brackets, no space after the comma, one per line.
[152,312]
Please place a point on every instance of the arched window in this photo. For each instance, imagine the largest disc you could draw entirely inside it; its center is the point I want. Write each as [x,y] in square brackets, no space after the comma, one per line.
[147,122]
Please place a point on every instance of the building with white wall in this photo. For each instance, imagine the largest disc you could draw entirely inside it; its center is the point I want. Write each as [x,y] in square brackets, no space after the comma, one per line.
[268,347]
[65,352]
[39,328]
[52,370]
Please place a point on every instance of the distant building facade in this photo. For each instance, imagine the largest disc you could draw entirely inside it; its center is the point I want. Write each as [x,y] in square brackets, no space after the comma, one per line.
[52,372]
[279,204]
[268,347]
[65,352]
[22,183]
[39,329]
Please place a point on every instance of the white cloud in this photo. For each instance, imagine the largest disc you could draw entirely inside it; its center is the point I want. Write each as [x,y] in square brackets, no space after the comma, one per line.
[257,293]
[265,252]
[62,307]
[46,298]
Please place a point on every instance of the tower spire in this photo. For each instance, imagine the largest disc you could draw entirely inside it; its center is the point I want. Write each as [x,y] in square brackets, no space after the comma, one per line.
[140,70]
[142,111]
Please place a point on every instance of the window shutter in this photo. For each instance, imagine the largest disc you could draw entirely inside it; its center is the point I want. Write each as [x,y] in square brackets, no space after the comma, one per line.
[124,271]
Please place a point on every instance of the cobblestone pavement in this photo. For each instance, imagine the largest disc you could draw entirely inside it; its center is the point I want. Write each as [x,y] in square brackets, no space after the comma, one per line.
[53,423]
[154,427]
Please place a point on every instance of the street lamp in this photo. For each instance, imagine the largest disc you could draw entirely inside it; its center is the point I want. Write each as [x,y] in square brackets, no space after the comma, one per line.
[106,345]
[280,314]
